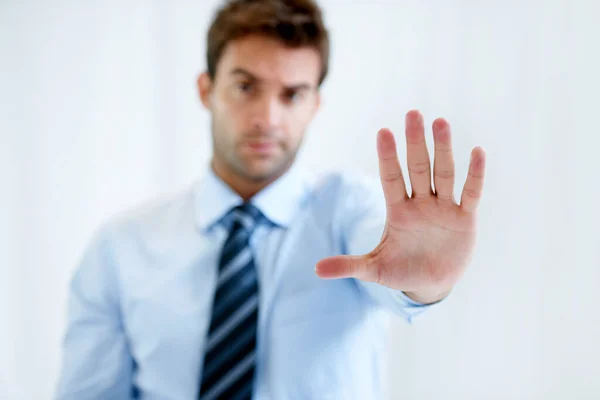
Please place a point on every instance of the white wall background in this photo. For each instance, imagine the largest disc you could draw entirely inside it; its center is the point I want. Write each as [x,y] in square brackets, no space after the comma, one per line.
[98,111]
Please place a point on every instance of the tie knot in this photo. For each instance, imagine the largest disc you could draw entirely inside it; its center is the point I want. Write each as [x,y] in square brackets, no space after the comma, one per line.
[247,215]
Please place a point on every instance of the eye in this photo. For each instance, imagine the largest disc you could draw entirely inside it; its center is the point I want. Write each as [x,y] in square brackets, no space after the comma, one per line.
[292,96]
[244,87]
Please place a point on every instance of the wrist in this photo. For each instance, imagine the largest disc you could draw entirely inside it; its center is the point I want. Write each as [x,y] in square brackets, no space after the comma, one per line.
[428,296]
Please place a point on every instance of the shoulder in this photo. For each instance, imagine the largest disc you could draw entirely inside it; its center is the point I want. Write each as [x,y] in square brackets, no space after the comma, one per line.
[156,219]
[342,197]
[346,188]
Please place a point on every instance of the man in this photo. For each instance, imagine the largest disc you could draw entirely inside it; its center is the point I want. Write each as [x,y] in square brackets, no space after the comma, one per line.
[260,281]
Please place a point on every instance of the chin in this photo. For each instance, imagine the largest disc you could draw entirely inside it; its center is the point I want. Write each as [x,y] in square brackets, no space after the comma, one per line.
[260,176]
[261,173]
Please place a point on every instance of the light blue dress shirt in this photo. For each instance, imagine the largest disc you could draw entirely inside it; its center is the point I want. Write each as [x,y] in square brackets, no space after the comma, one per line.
[140,300]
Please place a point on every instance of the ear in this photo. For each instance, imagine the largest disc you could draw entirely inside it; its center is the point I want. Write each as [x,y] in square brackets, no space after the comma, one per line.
[205,88]
[317,102]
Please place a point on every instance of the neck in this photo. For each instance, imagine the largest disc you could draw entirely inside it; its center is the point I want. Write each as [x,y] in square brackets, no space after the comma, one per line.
[244,187]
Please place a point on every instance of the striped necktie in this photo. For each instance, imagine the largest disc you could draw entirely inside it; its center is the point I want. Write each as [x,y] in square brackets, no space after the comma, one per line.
[230,352]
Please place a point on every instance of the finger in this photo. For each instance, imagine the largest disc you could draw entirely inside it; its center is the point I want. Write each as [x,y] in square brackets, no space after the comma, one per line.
[443,162]
[474,184]
[390,172]
[419,165]
[345,266]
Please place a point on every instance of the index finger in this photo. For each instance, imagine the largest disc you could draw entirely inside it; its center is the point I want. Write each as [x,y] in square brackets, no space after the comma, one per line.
[390,172]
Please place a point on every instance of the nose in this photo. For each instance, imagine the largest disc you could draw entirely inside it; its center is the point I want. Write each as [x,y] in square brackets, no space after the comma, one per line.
[267,114]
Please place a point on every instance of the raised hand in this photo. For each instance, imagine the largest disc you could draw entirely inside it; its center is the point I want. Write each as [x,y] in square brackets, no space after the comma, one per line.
[428,238]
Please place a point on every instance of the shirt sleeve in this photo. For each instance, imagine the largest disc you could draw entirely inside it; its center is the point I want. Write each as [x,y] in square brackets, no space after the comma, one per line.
[362,224]
[96,363]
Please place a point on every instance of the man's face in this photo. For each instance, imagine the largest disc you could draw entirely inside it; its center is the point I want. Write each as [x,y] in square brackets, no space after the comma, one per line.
[262,99]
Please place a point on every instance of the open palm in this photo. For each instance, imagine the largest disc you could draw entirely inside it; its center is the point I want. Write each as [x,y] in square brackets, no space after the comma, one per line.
[428,238]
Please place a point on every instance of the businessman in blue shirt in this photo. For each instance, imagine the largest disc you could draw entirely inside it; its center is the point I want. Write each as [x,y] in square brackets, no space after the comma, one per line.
[261,281]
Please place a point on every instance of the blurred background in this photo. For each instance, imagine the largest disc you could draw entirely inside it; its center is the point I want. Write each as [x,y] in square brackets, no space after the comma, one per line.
[98,111]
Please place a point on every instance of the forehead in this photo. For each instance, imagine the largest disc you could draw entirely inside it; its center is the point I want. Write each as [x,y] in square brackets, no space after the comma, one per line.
[270,60]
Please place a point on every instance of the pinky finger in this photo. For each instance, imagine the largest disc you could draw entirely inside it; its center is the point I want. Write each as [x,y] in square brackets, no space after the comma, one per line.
[474,185]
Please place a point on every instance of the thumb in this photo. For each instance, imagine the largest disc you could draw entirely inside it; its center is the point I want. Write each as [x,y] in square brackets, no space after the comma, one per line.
[345,267]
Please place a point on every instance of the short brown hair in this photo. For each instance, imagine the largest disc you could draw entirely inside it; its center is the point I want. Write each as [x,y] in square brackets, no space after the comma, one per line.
[297,23]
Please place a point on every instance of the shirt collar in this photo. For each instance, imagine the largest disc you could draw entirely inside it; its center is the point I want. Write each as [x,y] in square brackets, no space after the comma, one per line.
[278,201]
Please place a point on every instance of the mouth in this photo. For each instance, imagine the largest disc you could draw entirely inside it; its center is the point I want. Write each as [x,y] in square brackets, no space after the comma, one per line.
[261,147]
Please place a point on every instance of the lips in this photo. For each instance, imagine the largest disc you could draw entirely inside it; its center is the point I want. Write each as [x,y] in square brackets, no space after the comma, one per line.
[262,147]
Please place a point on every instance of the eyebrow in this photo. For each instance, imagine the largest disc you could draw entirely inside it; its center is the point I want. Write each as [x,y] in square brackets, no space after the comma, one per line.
[252,77]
